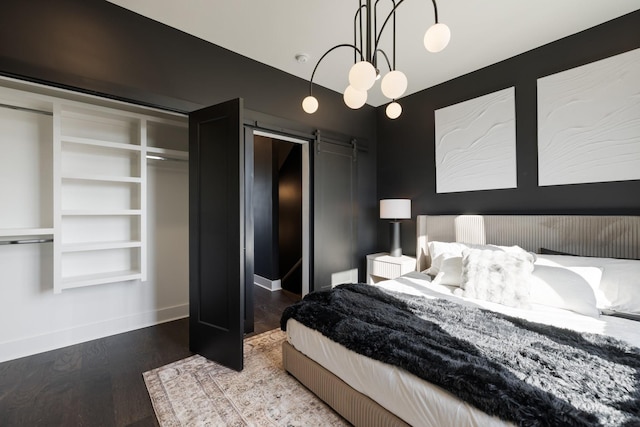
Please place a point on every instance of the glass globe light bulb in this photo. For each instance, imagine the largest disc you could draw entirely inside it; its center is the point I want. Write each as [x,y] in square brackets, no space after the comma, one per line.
[393,110]
[310,104]
[437,37]
[354,98]
[362,76]
[394,84]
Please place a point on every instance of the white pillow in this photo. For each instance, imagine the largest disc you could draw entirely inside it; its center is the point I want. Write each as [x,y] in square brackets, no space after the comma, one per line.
[570,288]
[497,276]
[446,259]
[447,268]
[439,249]
[619,288]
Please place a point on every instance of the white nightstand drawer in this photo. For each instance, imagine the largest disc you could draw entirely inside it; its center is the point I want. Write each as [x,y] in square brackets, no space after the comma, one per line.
[383,266]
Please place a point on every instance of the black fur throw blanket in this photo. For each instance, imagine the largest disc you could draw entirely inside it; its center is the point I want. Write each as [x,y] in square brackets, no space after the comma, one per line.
[520,371]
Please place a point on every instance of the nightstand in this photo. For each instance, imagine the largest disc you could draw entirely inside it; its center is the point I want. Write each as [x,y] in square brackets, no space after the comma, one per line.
[382,266]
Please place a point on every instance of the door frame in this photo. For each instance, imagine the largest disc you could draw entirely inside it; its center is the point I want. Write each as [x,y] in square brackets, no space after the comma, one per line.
[306,198]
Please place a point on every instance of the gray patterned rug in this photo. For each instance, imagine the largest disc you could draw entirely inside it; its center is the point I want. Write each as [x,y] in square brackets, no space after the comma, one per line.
[197,392]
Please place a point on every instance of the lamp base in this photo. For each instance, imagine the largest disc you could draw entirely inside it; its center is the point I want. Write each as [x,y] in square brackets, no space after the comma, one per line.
[396,248]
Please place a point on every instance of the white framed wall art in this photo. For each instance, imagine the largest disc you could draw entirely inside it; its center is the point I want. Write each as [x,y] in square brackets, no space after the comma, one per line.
[589,122]
[475,145]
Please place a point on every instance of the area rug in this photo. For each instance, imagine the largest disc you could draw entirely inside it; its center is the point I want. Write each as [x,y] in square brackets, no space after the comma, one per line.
[197,392]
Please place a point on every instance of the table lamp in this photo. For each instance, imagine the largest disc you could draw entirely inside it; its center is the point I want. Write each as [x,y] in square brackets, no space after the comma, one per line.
[395,210]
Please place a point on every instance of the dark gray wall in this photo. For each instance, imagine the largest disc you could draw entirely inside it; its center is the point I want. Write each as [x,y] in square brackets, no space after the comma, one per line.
[406,151]
[290,216]
[264,208]
[277,207]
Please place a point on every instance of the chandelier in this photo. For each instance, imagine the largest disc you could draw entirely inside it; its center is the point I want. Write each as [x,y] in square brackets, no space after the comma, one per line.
[364,73]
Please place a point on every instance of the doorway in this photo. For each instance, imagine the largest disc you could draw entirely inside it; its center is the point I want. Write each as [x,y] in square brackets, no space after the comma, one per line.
[280,217]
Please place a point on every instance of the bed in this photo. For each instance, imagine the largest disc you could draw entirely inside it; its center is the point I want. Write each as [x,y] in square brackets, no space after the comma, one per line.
[368,391]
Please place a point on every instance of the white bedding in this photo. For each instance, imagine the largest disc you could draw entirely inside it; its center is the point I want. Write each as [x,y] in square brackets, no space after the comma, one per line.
[414,400]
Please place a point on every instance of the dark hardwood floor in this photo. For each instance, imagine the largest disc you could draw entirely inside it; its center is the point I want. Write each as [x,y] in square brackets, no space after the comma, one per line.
[99,383]
[268,307]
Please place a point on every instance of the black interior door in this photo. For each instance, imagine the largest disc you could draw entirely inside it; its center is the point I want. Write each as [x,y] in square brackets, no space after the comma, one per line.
[217,233]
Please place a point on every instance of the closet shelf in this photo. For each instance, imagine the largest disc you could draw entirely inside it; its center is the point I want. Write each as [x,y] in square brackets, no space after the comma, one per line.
[99,279]
[91,212]
[100,143]
[97,246]
[97,115]
[102,178]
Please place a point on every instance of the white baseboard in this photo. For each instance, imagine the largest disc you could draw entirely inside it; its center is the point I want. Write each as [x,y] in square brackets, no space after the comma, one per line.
[270,285]
[57,339]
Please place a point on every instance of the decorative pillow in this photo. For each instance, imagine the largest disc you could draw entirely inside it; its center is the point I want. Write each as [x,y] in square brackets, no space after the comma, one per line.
[446,259]
[619,288]
[437,248]
[497,276]
[447,268]
[570,288]
[442,250]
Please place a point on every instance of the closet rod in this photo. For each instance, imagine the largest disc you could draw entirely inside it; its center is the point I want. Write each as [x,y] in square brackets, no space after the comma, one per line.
[29,110]
[25,241]
[163,158]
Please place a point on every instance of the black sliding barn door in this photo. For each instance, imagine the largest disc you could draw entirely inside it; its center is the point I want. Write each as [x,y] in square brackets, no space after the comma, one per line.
[335,174]
[217,274]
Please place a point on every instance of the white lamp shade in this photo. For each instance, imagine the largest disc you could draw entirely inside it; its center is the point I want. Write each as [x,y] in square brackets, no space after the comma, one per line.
[310,104]
[393,110]
[394,84]
[354,98]
[437,37]
[362,76]
[395,209]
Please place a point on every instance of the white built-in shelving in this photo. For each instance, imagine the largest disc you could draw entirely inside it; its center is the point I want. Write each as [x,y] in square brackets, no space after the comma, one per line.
[99,196]
[76,173]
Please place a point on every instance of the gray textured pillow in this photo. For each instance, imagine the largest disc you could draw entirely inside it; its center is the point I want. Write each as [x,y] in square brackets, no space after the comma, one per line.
[496,276]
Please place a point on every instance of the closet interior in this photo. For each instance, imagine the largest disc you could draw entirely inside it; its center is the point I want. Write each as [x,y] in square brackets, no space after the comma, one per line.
[93,218]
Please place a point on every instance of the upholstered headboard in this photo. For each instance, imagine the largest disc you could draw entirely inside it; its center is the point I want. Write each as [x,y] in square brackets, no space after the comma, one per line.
[602,236]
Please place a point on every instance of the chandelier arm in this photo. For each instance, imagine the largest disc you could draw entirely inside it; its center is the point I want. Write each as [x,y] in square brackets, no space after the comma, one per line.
[355,30]
[435,9]
[384,24]
[353,46]
[394,35]
[369,54]
[374,56]
[385,57]
[375,29]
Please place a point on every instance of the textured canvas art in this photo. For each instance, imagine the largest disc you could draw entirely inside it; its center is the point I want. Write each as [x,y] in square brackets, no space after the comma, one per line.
[476,144]
[589,122]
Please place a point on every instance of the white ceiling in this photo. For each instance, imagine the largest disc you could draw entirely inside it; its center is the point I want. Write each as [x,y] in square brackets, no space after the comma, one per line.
[483,32]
